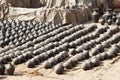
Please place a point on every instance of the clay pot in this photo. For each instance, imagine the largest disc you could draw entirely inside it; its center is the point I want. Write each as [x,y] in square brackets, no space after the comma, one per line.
[73,61]
[95,61]
[87,65]
[36,52]
[21,58]
[59,58]
[114,18]
[87,46]
[53,61]
[16,61]
[115,29]
[76,57]
[102,21]
[100,48]
[118,21]
[2,69]
[59,69]
[7,58]
[47,65]
[72,51]
[113,51]
[50,53]
[95,15]
[67,65]
[26,55]
[86,54]
[63,54]
[36,60]
[104,55]
[109,21]
[81,56]
[78,42]
[10,69]
[118,44]
[94,52]
[79,49]
[44,56]
[106,44]
[108,14]
[30,64]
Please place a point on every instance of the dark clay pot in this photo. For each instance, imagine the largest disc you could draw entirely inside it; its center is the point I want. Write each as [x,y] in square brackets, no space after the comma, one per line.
[109,21]
[114,18]
[2,69]
[108,14]
[10,69]
[102,21]
[95,15]
[118,21]
[59,69]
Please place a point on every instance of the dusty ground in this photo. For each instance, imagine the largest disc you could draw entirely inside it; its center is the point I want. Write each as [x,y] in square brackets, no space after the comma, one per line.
[109,70]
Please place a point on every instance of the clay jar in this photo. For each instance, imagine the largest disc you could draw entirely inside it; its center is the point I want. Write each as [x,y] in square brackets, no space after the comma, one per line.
[102,21]
[10,69]
[95,15]
[108,14]
[114,18]
[109,21]
[118,21]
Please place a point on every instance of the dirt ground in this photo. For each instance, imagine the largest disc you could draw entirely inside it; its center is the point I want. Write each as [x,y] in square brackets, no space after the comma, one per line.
[109,70]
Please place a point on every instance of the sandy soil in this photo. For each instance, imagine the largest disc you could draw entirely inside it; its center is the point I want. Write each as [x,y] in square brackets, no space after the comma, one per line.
[109,70]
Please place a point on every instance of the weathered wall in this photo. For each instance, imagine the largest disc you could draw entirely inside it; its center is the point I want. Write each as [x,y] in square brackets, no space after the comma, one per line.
[55,11]
[43,3]
[54,15]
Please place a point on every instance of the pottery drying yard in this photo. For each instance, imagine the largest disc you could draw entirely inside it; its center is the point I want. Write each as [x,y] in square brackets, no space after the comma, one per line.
[108,69]
[59,40]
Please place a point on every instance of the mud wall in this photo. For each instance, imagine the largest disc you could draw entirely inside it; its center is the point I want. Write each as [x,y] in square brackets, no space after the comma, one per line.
[54,11]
